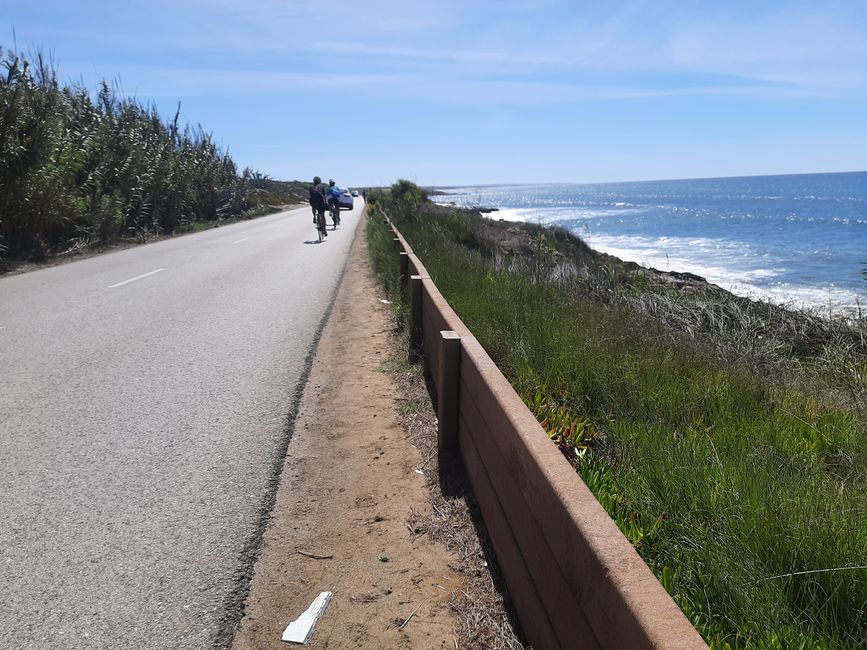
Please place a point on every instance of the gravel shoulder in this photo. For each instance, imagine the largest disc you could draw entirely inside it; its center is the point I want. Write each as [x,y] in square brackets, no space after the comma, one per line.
[349,493]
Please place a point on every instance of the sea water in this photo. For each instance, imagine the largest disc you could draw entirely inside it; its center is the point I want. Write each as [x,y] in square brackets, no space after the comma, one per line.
[799,240]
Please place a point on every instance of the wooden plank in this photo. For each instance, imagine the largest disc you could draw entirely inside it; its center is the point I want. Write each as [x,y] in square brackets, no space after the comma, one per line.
[432,324]
[415,297]
[534,619]
[403,265]
[419,269]
[567,616]
[448,382]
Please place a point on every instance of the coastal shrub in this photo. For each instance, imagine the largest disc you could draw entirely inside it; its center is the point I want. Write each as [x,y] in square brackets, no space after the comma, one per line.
[404,191]
[745,491]
[374,196]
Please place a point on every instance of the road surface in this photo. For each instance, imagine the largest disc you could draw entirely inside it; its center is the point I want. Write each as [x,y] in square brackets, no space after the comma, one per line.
[146,399]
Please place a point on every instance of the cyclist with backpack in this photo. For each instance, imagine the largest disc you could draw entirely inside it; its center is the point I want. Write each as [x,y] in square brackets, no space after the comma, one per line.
[317,203]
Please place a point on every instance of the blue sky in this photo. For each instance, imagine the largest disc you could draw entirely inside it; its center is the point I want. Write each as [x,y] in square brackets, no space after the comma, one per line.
[484,92]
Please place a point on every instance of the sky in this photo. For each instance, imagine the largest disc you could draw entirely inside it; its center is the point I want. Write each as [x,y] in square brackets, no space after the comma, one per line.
[456,93]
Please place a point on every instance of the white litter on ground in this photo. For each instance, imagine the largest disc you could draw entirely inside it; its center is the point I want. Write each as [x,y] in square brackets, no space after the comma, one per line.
[385,302]
[301,629]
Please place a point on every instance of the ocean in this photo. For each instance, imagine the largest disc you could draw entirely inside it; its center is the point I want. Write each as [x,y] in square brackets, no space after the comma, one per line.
[799,240]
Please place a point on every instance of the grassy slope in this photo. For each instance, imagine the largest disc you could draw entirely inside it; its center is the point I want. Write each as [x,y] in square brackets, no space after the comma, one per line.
[726,482]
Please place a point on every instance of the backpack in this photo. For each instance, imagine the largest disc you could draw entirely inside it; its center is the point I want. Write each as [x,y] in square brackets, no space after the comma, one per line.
[317,197]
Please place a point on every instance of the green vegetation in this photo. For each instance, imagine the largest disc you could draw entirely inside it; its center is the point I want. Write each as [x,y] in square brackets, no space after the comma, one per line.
[78,171]
[725,437]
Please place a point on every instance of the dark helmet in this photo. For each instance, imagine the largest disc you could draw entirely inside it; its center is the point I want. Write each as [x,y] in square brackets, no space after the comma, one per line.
[330,182]
[316,180]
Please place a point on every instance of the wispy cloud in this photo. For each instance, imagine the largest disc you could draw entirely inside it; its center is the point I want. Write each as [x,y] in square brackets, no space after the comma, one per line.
[796,45]
[385,52]
[172,81]
[820,48]
[539,94]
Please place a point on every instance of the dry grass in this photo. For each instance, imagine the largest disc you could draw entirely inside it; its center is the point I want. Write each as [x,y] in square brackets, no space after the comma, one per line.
[486,618]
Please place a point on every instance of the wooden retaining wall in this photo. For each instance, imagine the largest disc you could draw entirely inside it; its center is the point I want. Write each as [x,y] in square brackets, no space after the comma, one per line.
[575,579]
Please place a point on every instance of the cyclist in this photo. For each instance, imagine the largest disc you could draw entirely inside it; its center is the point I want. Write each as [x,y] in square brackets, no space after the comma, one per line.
[334,202]
[317,203]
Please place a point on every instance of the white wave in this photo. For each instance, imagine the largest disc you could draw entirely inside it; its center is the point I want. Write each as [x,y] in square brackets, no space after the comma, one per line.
[511,214]
[826,301]
[560,216]
[730,266]
[701,256]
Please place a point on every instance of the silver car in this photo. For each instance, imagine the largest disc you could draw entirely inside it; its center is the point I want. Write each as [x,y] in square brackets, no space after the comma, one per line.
[345,199]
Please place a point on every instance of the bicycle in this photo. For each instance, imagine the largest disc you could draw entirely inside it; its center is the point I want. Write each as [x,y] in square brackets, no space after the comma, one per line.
[335,213]
[321,228]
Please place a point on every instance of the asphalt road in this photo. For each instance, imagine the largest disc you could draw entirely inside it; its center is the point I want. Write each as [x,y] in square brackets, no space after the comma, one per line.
[145,404]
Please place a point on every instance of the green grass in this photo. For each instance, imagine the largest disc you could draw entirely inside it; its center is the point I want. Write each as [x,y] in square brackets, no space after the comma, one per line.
[729,484]
[385,260]
[410,407]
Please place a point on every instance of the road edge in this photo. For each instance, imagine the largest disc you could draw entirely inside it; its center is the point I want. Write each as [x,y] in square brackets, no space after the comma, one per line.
[234,604]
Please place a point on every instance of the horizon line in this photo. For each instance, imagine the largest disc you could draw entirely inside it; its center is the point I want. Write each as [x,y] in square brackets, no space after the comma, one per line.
[644,180]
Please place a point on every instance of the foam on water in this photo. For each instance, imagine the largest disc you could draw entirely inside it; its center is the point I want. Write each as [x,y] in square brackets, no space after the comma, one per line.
[754,281]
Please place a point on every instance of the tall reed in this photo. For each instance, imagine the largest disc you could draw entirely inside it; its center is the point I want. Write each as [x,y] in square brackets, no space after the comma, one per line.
[79,169]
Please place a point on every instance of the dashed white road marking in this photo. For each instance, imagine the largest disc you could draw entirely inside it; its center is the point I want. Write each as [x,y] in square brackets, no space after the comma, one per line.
[138,277]
[240,240]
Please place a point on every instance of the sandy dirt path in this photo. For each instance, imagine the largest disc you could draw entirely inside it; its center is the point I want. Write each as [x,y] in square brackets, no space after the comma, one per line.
[349,490]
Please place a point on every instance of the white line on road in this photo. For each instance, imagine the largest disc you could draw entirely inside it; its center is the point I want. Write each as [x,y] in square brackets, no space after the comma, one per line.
[138,277]
[240,240]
